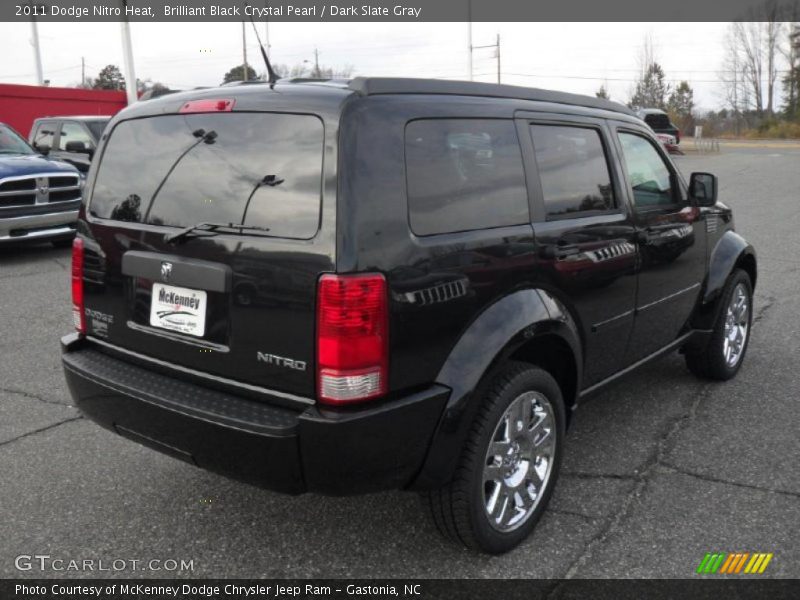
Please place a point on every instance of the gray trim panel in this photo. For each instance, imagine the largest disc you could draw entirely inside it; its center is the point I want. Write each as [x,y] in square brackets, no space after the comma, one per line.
[186,272]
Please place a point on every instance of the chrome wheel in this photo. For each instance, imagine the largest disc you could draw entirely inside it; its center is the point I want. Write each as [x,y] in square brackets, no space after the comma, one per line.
[737,325]
[519,461]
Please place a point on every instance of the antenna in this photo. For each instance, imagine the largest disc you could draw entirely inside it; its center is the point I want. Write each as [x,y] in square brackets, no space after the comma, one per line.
[272,76]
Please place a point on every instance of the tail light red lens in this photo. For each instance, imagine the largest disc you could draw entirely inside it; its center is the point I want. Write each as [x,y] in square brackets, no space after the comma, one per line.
[352,338]
[78,312]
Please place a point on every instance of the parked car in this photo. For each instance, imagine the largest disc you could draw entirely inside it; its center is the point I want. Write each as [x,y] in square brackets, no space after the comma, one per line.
[659,122]
[71,139]
[39,196]
[342,287]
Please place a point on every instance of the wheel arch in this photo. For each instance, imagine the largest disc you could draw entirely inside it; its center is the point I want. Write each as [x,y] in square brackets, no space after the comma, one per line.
[731,252]
[529,325]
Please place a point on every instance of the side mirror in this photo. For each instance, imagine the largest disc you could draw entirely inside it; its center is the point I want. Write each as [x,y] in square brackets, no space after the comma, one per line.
[703,188]
[41,148]
[76,146]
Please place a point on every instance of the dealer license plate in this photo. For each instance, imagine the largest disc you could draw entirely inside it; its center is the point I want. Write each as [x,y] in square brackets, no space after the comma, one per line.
[178,309]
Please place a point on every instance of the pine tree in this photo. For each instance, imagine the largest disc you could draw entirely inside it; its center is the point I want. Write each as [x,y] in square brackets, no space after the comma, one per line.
[235,74]
[109,78]
[652,89]
[681,100]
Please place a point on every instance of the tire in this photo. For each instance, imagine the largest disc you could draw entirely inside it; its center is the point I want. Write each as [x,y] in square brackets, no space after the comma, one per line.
[461,509]
[718,359]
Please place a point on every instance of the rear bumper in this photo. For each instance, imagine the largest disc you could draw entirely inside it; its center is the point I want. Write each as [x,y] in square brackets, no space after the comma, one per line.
[320,450]
[49,225]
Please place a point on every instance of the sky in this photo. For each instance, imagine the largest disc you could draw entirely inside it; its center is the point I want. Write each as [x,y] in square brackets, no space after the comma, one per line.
[573,57]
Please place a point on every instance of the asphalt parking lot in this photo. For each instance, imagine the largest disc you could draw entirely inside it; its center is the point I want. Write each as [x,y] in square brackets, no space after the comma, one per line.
[658,471]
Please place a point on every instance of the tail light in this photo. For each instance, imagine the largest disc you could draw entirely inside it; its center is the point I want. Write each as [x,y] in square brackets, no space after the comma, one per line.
[78,312]
[352,338]
[208,105]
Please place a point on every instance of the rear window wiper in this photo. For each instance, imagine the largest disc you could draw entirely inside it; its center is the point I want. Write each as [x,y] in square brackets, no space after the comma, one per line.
[210,228]
[203,137]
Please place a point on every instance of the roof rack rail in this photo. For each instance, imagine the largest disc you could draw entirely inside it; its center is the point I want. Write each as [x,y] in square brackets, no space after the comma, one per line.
[370,86]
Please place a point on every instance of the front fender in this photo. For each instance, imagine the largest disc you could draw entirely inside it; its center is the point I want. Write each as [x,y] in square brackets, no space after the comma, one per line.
[731,251]
[497,332]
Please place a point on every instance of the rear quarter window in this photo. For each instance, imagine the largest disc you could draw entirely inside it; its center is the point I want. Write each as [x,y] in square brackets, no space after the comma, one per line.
[159,170]
[464,174]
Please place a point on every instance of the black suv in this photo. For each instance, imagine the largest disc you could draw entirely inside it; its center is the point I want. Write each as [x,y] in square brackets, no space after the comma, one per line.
[71,139]
[341,287]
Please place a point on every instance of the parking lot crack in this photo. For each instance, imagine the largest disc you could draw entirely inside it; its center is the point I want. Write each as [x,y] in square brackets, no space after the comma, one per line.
[675,469]
[588,475]
[40,430]
[763,308]
[30,396]
[644,472]
[572,513]
[60,264]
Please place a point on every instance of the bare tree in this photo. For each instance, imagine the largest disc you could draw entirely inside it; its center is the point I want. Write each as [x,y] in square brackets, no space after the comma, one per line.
[651,89]
[748,46]
[773,29]
[647,55]
[791,53]
[732,77]
[753,45]
[314,71]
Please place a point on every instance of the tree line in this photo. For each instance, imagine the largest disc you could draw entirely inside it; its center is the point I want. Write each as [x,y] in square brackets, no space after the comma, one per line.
[111,78]
[751,77]
[761,65]
[652,90]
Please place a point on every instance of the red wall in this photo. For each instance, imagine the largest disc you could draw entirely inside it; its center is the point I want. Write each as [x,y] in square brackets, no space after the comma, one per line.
[21,104]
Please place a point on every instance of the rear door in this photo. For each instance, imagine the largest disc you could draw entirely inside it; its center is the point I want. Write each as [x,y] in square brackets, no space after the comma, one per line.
[584,233]
[236,304]
[672,243]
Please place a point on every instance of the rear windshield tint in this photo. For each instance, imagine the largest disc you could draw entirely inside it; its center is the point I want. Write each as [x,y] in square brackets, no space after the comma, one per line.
[657,121]
[261,169]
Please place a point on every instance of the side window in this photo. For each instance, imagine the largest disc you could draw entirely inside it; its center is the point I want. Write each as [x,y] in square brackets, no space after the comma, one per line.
[73,132]
[573,170]
[43,137]
[464,174]
[649,175]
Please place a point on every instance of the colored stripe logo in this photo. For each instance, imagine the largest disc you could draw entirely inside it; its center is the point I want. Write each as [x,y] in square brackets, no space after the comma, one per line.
[734,563]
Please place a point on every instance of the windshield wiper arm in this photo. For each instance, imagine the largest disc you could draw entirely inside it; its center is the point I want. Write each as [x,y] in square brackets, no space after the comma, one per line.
[203,136]
[211,228]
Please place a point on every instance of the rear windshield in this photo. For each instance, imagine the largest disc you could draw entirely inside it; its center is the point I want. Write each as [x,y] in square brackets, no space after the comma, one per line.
[657,121]
[259,169]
